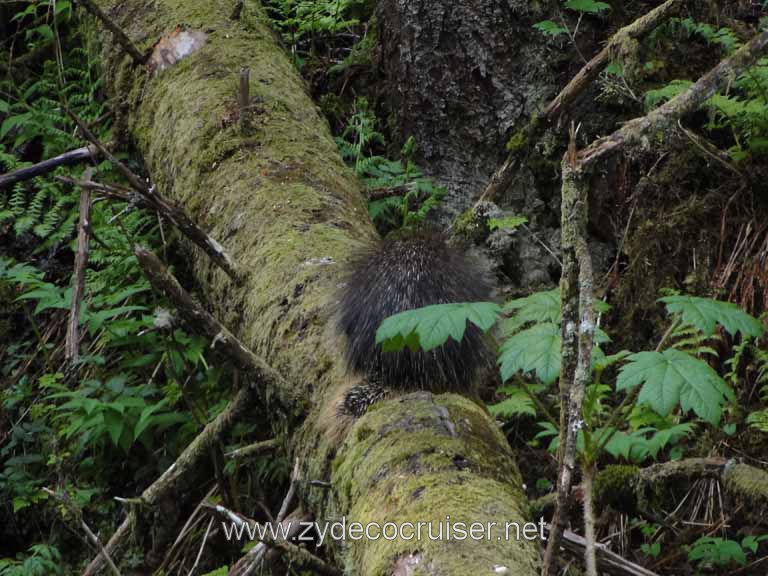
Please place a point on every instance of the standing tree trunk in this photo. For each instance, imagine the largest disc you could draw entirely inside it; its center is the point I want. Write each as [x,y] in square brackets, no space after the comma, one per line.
[464,76]
[285,207]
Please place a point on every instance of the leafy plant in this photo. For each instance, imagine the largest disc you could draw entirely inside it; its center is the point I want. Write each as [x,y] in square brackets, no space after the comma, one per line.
[664,380]
[742,110]
[305,23]
[712,550]
[43,560]
[408,196]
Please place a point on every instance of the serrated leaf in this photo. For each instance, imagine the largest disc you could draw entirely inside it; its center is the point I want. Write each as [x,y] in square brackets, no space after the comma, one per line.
[508,223]
[431,326]
[606,361]
[516,403]
[588,6]
[536,308]
[536,349]
[550,28]
[673,377]
[705,314]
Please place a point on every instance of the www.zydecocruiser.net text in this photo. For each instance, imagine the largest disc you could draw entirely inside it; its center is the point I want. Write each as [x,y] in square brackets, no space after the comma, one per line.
[352,531]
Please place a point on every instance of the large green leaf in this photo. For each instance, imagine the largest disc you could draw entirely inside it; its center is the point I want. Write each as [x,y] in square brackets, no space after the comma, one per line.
[588,6]
[673,377]
[536,349]
[431,326]
[705,314]
[517,402]
[536,308]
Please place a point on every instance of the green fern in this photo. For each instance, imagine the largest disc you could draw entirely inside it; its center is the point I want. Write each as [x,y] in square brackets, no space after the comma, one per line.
[690,339]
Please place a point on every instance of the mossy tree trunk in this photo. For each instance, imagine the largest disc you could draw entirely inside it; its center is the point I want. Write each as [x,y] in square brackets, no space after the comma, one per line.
[289,212]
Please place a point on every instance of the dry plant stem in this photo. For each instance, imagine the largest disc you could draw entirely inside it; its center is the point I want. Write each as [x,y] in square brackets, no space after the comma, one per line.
[608,561]
[252,449]
[76,513]
[712,152]
[302,556]
[291,493]
[110,190]
[65,159]
[136,182]
[188,525]
[72,345]
[120,36]
[193,570]
[256,554]
[174,213]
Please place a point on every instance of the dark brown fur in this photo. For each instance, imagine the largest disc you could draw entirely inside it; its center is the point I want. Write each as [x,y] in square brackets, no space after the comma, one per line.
[403,274]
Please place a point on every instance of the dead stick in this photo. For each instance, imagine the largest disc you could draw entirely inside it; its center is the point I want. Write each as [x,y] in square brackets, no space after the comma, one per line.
[203,322]
[664,118]
[120,36]
[302,556]
[65,159]
[72,347]
[592,69]
[527,135]
[174,213]
[251,561]
[76,513]
[110,190]
[252,449]
[129,175]
[606,559]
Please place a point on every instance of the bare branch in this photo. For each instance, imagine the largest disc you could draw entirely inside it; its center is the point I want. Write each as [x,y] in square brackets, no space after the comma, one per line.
[72,345]
[78,515]
[71,157]
[299,554]
[120,36]
[173,212]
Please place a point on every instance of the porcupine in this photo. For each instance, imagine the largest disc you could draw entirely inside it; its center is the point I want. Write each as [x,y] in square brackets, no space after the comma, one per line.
[408,271]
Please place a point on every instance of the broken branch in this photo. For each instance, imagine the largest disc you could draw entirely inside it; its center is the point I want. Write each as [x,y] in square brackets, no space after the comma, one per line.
[71,157]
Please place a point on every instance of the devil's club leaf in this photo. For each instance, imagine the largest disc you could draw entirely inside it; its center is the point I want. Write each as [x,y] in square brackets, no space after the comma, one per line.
[536,349]
[431,326]
[673,377]
[705,314]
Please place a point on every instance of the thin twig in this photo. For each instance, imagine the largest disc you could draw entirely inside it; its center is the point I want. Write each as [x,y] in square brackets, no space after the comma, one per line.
[301,555]
[252,449]
[120,36]
[192,570]
[173,212]
[77,513]
[65,159]
[72,344]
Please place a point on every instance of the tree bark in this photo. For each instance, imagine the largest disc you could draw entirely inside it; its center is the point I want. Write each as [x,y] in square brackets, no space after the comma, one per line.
[465,76]
[289,212]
